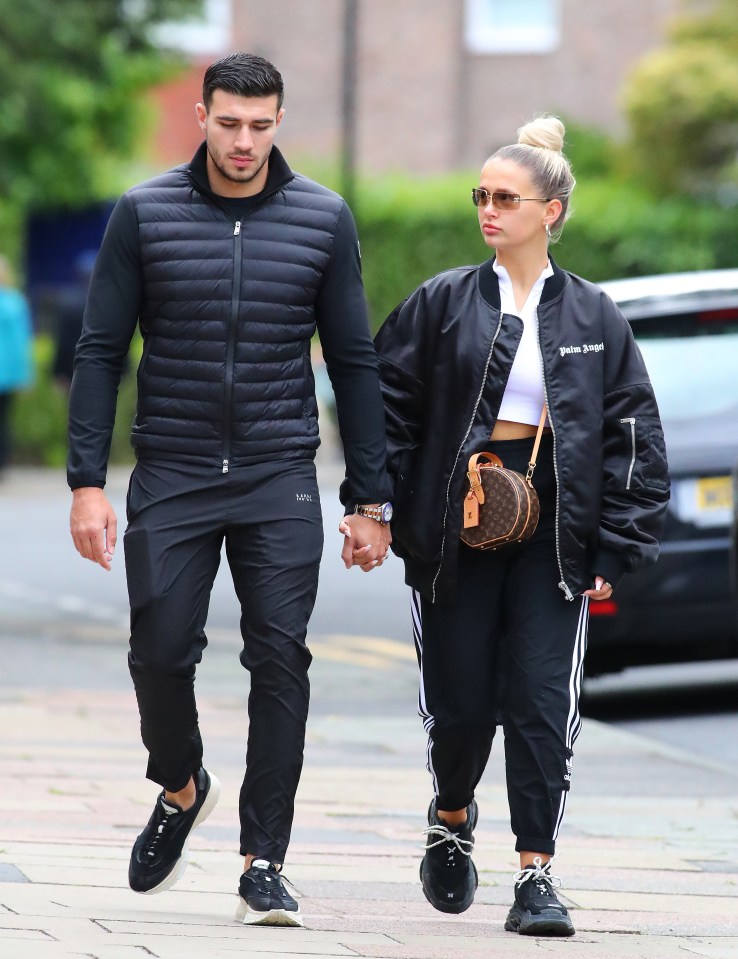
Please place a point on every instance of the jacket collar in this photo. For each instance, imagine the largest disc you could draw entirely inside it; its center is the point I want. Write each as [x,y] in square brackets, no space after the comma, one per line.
[489,284]
[279,174]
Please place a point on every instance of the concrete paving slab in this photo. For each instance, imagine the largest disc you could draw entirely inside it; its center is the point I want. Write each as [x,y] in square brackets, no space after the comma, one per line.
[355,862]
[713,949]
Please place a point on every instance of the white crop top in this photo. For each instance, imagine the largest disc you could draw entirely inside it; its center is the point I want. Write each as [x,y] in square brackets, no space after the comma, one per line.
[523,398]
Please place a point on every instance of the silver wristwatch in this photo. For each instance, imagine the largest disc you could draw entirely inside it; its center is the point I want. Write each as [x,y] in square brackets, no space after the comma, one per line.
[382,513]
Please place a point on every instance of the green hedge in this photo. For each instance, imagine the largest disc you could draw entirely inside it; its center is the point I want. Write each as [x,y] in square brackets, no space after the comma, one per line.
[617,230]
[411,230]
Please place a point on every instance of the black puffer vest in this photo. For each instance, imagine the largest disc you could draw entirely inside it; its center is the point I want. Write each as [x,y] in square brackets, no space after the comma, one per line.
[227,316]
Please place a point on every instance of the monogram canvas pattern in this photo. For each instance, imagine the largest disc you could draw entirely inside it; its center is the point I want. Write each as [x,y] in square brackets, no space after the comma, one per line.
[509,513]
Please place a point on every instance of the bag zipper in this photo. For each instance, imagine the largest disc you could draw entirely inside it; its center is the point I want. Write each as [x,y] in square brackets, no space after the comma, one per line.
[458,454]
[632,422]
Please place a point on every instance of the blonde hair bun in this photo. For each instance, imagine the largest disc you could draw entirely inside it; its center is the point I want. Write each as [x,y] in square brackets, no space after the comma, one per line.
[544,132]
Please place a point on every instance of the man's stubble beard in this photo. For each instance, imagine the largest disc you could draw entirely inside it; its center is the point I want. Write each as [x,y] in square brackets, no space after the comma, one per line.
[245,177]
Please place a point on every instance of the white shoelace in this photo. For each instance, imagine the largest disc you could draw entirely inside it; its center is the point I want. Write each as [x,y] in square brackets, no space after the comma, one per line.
[540,875]
[446,835]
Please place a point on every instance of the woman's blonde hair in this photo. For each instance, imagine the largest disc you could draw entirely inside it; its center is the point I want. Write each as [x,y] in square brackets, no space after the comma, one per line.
[539,150]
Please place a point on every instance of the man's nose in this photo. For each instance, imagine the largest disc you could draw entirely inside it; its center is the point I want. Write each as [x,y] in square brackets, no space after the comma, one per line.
[244,141]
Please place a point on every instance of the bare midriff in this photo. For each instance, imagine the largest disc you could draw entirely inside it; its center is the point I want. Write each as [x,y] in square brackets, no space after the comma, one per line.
[507,430]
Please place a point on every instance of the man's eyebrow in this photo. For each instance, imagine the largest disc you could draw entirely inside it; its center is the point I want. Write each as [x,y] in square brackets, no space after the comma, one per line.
[230,119]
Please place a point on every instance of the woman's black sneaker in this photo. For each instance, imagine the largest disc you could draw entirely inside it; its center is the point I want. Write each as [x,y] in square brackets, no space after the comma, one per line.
[159,856]
[536,910]
[264,900]
[447,873]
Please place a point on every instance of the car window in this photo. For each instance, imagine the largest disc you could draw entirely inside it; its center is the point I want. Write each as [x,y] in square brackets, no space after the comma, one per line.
[692,360]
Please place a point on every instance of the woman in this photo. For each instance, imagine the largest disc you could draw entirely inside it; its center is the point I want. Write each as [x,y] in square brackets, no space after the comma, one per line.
[467,362]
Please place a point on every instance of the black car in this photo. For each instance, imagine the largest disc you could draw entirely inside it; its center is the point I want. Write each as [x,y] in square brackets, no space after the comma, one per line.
[685,607]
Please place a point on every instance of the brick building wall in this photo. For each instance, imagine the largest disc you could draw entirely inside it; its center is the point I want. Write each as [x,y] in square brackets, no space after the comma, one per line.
[425,102]
[582,78]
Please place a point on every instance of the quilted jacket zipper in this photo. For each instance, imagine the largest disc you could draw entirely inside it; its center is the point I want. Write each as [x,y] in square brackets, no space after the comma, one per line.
[231,347]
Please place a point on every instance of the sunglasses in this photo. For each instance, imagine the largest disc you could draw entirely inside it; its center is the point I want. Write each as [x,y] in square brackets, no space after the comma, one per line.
[503,201]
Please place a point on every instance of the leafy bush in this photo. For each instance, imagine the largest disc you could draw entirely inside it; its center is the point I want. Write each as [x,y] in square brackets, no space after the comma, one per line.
[682,104]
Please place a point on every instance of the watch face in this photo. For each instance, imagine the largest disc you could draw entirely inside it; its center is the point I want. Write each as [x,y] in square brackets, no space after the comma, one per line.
[386,512]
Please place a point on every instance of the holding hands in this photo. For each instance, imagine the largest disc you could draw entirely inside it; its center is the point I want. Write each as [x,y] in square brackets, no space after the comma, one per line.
[366,543]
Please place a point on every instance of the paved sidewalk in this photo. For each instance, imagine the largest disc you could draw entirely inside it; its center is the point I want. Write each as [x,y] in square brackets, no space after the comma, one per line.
[650,868]
[645,876]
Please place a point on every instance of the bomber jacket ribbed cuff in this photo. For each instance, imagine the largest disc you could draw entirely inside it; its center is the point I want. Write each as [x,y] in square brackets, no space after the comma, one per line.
[609,565]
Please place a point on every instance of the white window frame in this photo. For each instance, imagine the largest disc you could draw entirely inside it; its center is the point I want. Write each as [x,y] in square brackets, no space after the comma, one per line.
[207,35]
[483,35]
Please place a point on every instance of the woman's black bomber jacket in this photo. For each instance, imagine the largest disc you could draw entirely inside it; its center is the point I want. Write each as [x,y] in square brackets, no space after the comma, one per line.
[445,356]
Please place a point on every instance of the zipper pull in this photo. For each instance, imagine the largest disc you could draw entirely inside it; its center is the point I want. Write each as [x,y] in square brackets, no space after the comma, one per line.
[237,228]
[567,592]
[225,466]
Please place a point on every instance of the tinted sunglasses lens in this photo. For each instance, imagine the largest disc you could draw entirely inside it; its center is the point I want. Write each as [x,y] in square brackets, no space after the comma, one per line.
[480,197]
[505,201]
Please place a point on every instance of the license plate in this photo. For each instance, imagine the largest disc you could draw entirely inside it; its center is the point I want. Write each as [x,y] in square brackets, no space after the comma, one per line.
[705,501]
[714,493]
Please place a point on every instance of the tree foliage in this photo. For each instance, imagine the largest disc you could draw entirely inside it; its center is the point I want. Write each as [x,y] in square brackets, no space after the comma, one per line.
[682,104]
[72,74]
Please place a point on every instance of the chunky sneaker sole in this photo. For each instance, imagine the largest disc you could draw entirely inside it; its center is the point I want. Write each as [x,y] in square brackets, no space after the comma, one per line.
[426,877]
[263,899]
[180,864]
[547,923]
[272,917]
[536,910]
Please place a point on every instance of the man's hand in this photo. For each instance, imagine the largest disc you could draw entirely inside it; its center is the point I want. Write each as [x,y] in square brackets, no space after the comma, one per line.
[93,525]
[366,543]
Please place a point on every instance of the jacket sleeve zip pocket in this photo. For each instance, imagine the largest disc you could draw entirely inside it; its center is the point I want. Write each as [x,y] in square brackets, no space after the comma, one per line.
[632,423]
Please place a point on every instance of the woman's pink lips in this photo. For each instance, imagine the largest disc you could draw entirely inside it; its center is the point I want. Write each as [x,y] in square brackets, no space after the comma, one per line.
[490,228]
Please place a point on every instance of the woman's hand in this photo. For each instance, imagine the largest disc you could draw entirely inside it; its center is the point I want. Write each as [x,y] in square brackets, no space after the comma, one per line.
[366,542]
[602,590]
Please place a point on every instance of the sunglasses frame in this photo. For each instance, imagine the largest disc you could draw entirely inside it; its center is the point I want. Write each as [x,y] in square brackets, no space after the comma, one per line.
[502,197]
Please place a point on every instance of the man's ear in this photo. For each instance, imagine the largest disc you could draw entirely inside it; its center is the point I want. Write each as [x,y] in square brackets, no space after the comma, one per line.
[202,115]
[279,116]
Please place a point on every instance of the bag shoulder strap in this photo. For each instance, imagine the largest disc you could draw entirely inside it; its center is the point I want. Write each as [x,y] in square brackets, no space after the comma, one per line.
[536,445]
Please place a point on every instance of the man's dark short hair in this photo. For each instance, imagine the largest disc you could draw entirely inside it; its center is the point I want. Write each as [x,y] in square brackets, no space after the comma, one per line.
[245,75]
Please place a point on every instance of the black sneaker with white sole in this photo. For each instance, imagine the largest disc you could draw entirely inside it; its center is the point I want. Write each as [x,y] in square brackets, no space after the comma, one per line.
[159,857]
[264,901]
[536,910]
[447,873]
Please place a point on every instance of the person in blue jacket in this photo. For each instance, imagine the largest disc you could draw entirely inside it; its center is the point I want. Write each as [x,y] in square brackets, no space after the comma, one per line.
[16,337]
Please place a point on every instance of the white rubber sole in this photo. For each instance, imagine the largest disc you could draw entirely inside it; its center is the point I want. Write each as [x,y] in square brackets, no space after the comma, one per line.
[272,917]
[178,870]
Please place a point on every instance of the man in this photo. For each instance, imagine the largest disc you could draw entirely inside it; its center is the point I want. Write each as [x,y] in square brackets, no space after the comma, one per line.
[228,264]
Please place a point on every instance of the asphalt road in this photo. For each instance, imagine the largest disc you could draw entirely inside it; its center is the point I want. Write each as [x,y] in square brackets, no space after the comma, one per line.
[63,623]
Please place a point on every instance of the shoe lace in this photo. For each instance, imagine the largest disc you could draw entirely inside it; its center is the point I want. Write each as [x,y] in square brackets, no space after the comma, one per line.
[282,879]
[540,875]
[166,818]
[273,880]
[455,844]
